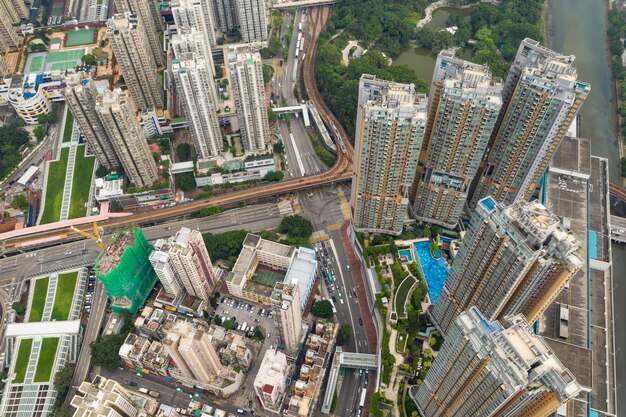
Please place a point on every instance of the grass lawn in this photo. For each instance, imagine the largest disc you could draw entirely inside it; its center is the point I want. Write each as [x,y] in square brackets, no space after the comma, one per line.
[64,296]
[23,356]
[46,359]
[402,293]
[69,125]
[39,300]
[83,175]
[401,338]
[54,189]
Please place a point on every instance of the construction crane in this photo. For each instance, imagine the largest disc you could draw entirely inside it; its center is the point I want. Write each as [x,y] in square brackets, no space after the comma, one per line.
[96,234]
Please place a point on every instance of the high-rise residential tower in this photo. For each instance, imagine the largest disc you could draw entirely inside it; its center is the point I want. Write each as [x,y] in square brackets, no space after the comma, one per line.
[95,11]
[81,95]
[131,48]
[103,397]
[512,260]
[246,74]
[390,124]
[150,20]
[182,262]
[225,16]
[252,20]
[541,97]
[489,369]
[196,87]
[463,108]
[118,115]
[14,10]
[286,300]
[8,34]
[195,14]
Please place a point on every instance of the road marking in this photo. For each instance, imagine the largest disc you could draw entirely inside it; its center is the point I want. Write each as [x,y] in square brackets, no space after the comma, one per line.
[332,246]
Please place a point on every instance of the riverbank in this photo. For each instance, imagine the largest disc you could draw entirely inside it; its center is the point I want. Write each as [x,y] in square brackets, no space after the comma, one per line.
[546,19]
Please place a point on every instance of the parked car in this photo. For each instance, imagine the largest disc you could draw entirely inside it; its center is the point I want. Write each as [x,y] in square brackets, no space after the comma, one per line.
[334,299]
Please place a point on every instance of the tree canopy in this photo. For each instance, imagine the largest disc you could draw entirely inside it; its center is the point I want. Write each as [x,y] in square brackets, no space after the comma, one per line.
[19,308]
[296,226]
[185,181]
[273,176]
[343,337]
[183,150]
[20,202]
[105,350]
[225,245]
[12,138]
[322,309]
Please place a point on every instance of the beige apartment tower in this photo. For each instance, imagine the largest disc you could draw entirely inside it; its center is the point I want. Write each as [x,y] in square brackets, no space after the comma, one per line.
[390,124]
[149,18]
[103,397]
[133,53]
[118,115]
[464,104]
[81,96]
[286,301]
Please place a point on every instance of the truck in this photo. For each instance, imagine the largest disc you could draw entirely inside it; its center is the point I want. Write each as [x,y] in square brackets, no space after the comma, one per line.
[362,402]
[144,390]
[154,394]
[333,304]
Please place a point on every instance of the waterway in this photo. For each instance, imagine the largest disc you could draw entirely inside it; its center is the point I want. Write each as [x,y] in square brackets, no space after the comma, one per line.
[586,39]
[422,60]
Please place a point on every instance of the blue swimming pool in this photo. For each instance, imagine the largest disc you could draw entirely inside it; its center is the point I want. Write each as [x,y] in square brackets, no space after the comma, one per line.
[435,271]
[406,253]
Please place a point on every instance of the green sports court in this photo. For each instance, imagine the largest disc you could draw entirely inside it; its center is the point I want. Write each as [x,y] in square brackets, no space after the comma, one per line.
[80,37]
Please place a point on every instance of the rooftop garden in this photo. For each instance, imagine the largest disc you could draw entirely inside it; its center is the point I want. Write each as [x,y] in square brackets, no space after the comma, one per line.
[45,362]
[39,300]
[64,296]
[23,357]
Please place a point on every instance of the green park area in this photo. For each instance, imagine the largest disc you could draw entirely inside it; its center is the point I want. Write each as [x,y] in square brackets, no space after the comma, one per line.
[46,359]
[39,300]
[54,188]
[81,183]
[23,356]
[69,125]
[402,295]
[64,296]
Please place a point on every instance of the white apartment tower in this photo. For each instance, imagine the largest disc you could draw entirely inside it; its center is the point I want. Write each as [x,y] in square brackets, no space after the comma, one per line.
[103,397]
[225,16]
[489,369]
[150,20]
[95,11]
[199,354]
[196,88]
[81,95]
[389,129]
[512,260]
[195,14]
[252,20]
[246,74]
[464,104]
[182,262]
[286,300]
[131,48]
[118,115]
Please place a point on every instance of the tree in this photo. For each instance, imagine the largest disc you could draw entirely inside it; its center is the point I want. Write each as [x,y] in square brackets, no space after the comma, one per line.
[39,133]
[322,309]
[20,202]
[219,71]
[105,350]
[63,382]
[19,308]
[268,72]
[225,245]
[258,335]
[271,115]
[273,176]
[217,320]
[102,171]
[164,145]
[89,59]
[186,181]
[12,138]
[343,337]
[183,150]
[279,148]
[42,119]
[64,410]
[210,211]
[296,226]
[228,324]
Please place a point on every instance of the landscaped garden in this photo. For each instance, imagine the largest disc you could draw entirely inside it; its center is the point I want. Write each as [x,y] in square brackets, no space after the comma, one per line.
[45,362]
[402,294]
[54,188]
[81,184]
[21,363]
[66,285]
[69,126]
[39,300]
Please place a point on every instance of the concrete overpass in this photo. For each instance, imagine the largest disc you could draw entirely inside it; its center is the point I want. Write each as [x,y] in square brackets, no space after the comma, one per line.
[295,109]
[302,3]
[345,360]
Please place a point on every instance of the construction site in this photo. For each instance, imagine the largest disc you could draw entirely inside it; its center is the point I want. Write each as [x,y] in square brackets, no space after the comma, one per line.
[125,270]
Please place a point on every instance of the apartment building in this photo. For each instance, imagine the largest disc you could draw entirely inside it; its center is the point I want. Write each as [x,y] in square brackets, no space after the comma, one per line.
[118,116]
[246,75]
[182,262]
[195,14]
[81,96]
[252,20]
[14,10]
[541,98]
[132,50]
[103,397]
[269,383]
[494,368]
[390,124]
[199,354]
[8,34]
[464,104]
[95,11]
[512,260]
[149,18]
[286,301]
[225,15]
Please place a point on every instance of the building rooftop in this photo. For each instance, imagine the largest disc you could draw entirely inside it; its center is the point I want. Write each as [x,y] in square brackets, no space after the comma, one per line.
[47,328]
[572,158]
[113,253]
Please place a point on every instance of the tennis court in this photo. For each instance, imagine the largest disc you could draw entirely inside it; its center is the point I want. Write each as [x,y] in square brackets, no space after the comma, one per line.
[80,37]
[36,64]
[69,55]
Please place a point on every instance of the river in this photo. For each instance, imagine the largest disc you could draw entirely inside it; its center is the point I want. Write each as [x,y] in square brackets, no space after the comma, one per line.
[578,27]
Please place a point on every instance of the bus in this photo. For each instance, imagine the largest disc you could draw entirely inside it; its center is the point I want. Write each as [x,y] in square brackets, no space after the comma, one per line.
[333,305]
[362,402]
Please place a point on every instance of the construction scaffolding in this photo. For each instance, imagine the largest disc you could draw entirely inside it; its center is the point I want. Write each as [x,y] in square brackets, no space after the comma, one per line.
[125,270]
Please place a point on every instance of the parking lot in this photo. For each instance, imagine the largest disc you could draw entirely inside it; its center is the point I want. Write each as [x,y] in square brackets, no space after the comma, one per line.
[249,314]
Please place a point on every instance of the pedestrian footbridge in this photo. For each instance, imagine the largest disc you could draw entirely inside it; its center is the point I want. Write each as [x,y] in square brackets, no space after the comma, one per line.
[345,360]
[295,109]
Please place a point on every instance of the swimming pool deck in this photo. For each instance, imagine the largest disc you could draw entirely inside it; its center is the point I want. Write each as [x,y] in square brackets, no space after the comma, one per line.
[435,271]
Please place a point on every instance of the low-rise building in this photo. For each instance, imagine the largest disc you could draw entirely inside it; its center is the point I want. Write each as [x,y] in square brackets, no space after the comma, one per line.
[32,95]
